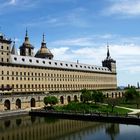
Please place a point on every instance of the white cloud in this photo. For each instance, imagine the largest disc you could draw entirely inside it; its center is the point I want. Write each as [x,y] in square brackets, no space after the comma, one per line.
[12,2]
[127,8]
[127,56]
[83,41]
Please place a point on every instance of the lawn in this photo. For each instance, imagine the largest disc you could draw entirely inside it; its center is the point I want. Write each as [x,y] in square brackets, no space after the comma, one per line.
[91,107]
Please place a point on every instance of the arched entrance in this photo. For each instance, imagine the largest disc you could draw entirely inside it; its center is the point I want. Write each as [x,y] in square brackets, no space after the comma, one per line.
[62,100]
[32,102]
[75,98]
[112,94]
[7,105]
[81,98]
[68,99]
[18,103]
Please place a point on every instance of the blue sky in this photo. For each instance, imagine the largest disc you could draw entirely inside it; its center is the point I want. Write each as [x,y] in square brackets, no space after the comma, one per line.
[79,30]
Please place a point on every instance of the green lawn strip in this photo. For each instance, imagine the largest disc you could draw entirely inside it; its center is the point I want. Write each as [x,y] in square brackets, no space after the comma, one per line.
[98,108]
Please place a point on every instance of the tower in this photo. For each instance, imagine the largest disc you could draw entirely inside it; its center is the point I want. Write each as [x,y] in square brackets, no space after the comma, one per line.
[5,47]
[109,62]
[26,49]
[44,52]
[14,51]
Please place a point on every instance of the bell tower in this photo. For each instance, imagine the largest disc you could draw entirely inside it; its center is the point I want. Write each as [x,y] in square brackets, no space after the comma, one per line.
[26,49]
[109,62]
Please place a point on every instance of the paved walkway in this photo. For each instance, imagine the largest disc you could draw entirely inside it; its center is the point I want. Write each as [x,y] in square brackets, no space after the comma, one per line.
[134,111]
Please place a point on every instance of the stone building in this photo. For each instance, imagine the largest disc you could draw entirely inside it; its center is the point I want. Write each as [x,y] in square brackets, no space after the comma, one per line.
[26,74]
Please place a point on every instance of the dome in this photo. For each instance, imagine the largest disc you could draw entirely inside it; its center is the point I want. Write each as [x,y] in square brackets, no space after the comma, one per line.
[44,52]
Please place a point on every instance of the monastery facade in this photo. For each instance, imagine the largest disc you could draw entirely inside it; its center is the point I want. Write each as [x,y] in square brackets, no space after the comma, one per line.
[34,74]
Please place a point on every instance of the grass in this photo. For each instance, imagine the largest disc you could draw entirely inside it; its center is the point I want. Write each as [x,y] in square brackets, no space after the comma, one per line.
[129,105]
[91,107]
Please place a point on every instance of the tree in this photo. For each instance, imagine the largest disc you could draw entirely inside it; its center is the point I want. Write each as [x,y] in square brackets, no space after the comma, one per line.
[112,102]
[131,94]
[137,101]
[52,100]
[97,96]
[86,95]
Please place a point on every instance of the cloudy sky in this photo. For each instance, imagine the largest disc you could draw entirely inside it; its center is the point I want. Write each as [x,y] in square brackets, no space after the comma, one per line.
[79,30]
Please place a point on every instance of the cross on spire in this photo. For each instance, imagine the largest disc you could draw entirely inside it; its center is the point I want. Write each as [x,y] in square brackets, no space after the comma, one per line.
[43,37]
[26,32]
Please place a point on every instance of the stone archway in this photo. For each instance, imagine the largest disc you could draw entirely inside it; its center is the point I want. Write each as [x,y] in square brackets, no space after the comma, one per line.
[18,103]
[75,98]
[81,98]
[68,99]
[62,100]
[32,102]
[112,95]
[7,105]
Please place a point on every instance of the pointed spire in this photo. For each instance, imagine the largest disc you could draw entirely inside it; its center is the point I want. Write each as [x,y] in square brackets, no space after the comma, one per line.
[43,44]
[108,53]
[26,32]
[43,38]
[26,37]
[14,51]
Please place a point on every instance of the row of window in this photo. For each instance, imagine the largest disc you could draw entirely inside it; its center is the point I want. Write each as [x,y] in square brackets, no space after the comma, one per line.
[6,60]
[50,75]
[3,53]
[2,47]
[65,64]
[28,86]
[101,79]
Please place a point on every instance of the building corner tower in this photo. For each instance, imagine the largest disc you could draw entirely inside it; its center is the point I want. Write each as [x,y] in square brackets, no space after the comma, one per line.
[109,62]
[26,49]
[5,47]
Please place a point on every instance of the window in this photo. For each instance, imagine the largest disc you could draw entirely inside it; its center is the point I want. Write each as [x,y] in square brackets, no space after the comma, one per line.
[43,62]
[30,60]
[15,58]
[37,61]
[7,48]
[61,64]
[55,63]
[23,59]
[1,47]
[50,63]
[66,64]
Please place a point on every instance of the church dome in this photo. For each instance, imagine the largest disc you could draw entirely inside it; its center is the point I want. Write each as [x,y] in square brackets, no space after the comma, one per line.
[44,52]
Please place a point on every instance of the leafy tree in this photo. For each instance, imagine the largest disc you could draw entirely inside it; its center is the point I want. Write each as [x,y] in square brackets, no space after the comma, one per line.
[131,94]
[52,100]
[97,96]
[112,102]
[86,95]
[137,101]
